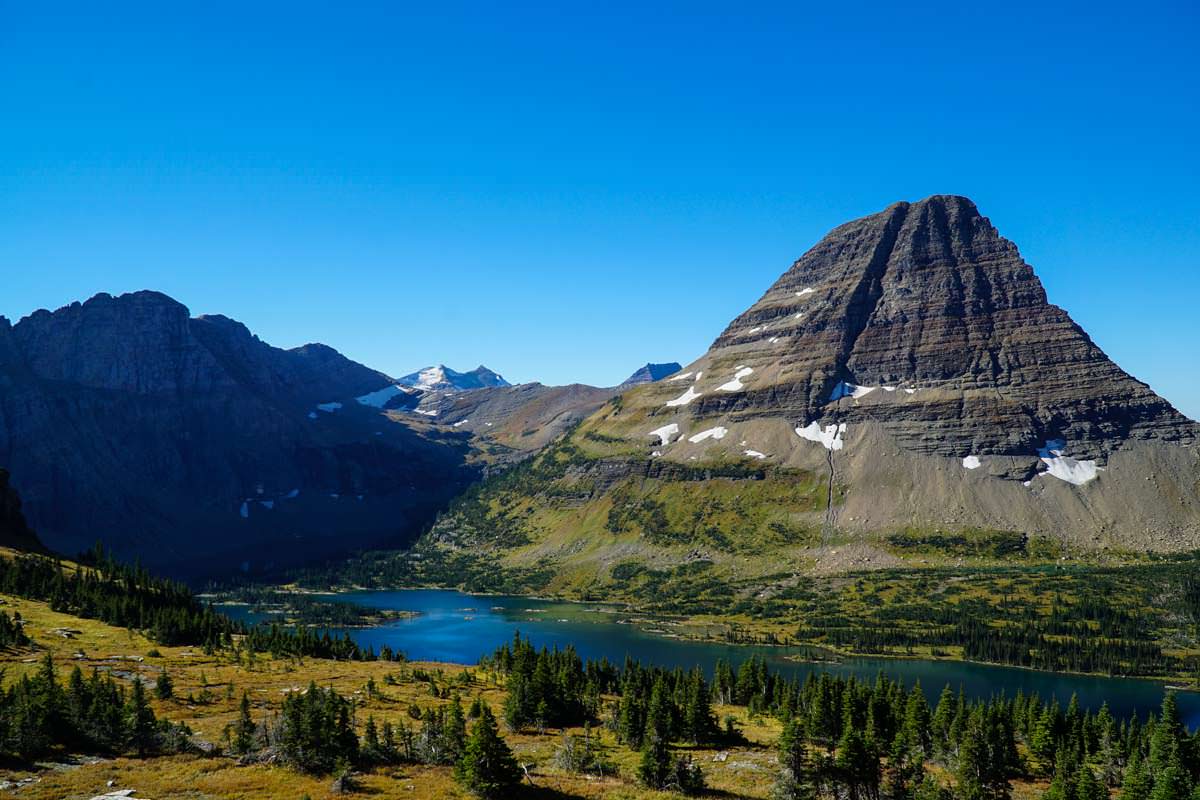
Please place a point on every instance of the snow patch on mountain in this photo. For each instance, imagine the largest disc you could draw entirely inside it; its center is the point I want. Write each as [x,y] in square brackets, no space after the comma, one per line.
[736,384]
[685,398]
[328,408]
[379,399]
[1058,465]
[665,433]
[844,389]
[712,433]
[972,462]
[830,436]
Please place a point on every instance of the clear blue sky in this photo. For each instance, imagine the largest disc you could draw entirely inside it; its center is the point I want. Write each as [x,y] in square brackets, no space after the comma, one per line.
[563,192]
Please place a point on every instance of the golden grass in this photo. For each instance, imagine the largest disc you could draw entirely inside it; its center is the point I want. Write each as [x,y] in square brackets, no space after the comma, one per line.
[745,774]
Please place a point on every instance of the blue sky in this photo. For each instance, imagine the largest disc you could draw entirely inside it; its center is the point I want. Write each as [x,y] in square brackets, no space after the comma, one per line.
[565,191]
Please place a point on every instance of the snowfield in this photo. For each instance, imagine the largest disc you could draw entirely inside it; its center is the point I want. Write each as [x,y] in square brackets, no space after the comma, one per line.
[736,384]
[665,433]
[685,398]
[378,399]
[830,436]
[1067,469]
[712,433]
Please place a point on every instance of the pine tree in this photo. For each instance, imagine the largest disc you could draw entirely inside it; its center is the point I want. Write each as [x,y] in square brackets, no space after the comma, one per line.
[943,717]
[455,731]
[905,766]
[1062,785]
[372,750]
[1043,739]
[1087,787]
[795,778]
[918,721]
[243,729]
[164,688]
[1167,740]
[655,766]
[139,720]
[698,722]
[857,765]
[487,768]
[1136,783]
[1173,783]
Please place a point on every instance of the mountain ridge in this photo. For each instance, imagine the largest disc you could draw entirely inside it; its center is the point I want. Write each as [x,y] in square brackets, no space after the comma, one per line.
[186,439]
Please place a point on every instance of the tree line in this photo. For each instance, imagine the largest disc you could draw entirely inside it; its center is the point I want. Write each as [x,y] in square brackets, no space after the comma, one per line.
[166,611]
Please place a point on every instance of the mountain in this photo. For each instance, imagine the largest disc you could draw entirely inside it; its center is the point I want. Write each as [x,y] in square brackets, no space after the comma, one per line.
[190,443]
[514,421]
[906,377]
[650,373]
[517,420]
[443,379]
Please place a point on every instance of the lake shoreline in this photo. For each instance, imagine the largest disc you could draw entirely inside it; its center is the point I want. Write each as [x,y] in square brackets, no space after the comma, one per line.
[1167,680]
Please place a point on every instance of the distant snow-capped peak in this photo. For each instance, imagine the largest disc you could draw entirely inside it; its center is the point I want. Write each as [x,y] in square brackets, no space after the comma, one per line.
[441,378]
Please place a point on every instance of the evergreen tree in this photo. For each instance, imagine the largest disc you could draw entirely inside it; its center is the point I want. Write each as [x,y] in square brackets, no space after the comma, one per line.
[857,765]
[1166,743]
[655,766]
[372,750]
[164,688]
[1173,783]
[1087,787]
[1136,784]
[1043,739]
[686,776]
[487,768]
[139,720]
[698,722]
[943,718]
[243,729]
[455,731]
[905,766]
[918,721]
[795,779]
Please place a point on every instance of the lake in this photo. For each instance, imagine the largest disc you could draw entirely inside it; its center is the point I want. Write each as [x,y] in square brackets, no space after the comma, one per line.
[454,627]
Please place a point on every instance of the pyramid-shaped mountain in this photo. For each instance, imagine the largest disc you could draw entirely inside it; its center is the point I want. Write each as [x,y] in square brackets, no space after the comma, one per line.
[905,374]
[927,303]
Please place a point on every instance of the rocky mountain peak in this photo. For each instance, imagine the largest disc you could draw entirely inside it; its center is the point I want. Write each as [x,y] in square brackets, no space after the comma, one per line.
[930,299]
[649,373]
[441,378]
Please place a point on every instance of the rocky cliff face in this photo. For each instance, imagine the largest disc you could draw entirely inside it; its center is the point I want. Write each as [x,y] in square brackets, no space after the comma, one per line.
[192,444]
[927,303]
[14,532]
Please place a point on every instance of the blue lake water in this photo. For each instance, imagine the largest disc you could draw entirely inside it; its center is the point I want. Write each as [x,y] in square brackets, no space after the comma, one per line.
[454,627]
